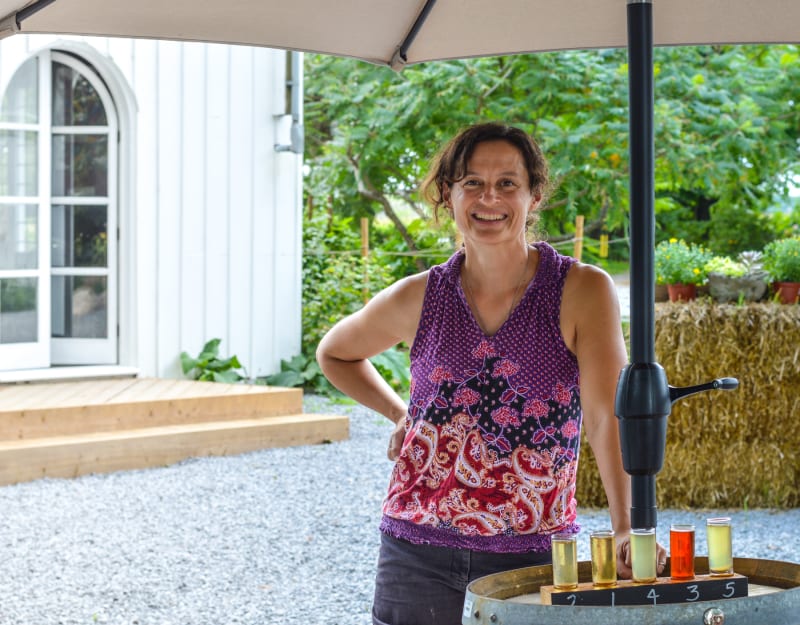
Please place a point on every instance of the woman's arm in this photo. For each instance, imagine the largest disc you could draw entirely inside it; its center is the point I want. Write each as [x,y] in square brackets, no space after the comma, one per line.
[591,309]
[592,329]
[389,318]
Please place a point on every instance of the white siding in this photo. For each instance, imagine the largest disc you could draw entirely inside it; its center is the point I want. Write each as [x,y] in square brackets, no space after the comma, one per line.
[210,220]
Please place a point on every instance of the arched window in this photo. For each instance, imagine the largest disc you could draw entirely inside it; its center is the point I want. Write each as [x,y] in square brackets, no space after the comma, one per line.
[58,216]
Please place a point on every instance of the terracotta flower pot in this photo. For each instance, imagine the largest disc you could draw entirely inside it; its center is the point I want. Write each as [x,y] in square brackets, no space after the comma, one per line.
[681,292]
[788,292]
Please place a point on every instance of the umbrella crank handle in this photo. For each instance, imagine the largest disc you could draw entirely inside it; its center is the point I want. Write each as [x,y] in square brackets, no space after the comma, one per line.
[723,384]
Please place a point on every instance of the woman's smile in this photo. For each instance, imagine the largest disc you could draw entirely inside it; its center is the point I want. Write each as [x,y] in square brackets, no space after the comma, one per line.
[480,216]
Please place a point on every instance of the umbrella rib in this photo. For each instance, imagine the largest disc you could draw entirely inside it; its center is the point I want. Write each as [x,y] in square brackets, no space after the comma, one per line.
[400,57]
[25,13]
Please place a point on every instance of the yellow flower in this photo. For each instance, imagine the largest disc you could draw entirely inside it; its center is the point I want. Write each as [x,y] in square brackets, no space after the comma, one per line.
[696,271]
[673,240]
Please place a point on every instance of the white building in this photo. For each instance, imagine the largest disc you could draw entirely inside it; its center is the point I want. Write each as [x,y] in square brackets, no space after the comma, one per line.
[144,205]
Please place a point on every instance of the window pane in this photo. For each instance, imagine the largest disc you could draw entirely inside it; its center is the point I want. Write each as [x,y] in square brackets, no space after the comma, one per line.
[75,101]
[21,100]
[80,236]
[18,236]
[80,308]
[18,156]
[18,322]
[80,165]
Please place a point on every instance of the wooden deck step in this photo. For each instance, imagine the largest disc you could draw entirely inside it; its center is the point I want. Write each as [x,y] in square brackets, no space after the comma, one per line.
[30,411]
[103,452]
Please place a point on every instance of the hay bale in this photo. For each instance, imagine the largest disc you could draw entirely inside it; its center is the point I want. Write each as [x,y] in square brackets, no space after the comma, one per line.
[725,449]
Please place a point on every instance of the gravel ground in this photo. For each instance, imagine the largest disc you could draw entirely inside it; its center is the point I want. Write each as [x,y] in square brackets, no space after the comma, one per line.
[279,536]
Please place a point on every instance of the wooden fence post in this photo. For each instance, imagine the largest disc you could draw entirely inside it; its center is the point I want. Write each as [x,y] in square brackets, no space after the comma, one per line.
[365,255]
[604,245]
[578,251]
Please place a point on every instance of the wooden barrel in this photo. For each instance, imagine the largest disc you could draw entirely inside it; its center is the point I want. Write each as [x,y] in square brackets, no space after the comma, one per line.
[511,598]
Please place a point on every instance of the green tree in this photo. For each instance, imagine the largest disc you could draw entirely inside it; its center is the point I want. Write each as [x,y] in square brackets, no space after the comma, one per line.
[727,125]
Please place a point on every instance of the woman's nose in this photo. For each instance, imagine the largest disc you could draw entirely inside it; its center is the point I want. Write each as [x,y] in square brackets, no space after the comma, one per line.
[489,193]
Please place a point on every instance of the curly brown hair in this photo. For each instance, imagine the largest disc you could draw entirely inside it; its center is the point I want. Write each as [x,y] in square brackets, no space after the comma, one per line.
[450,164]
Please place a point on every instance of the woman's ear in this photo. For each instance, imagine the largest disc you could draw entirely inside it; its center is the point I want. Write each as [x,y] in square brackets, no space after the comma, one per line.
[535,201]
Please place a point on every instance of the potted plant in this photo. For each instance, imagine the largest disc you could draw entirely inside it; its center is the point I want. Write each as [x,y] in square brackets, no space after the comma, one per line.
[782,262]
[681,266]
[743,279]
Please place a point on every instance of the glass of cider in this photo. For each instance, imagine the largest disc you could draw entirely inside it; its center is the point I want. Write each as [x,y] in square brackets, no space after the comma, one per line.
[643,555]
[681,551]
[604,558]
[565,561]
[720,546]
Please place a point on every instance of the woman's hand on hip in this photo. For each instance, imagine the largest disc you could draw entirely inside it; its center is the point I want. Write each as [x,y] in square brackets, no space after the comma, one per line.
[396,439]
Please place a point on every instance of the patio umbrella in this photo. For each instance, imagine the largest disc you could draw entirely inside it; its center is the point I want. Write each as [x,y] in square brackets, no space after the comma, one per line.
[374,30]
[399,32]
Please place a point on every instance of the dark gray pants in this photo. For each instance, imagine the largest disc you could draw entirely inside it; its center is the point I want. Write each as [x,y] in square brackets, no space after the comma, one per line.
[425,585]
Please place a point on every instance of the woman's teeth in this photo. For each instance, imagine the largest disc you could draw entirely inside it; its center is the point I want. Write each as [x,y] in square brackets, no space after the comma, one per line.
[488,216]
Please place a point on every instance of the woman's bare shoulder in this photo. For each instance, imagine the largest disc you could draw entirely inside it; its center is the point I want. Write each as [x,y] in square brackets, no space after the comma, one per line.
[582,277]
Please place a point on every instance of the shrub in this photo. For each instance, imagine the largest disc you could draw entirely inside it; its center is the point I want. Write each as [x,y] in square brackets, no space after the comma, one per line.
[678,262]
[209,367]
[782,259]
[724,266]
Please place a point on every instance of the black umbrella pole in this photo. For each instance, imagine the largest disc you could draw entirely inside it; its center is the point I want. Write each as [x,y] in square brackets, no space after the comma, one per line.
[642,167]
[642,402]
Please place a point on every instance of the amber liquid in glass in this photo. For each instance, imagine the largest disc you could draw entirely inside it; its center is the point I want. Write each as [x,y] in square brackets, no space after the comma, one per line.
[681,551]
[720,547]
[565,562]
[604,559]
[643,555]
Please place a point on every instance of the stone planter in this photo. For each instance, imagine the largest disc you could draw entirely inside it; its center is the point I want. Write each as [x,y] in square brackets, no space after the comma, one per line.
[729,288]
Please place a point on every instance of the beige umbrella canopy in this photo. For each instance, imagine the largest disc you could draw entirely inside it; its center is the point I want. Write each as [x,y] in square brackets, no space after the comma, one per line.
[374,30]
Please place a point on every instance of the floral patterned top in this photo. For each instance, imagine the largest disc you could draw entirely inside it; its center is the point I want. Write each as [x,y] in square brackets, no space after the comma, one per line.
[491,448]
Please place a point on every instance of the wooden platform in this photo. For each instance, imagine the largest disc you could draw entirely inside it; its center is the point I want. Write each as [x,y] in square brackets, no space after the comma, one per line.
[66,429]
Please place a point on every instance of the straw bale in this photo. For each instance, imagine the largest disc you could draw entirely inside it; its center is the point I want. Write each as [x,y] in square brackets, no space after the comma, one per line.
[735,448]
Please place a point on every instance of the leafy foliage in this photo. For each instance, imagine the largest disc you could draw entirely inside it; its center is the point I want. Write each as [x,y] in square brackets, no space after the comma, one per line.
[782,259]
[301,370]
[727,127]
[208,366]
[678,262]
[393,365]
[725,266]
[336,279]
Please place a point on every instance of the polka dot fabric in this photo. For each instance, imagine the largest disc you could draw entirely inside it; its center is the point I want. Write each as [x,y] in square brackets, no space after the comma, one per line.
[491,447]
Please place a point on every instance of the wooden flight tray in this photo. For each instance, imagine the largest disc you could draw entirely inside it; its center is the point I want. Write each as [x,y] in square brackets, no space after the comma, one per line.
[663,590]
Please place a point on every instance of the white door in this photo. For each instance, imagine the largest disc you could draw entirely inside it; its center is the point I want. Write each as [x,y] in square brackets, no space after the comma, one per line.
[58,138]
[24,223]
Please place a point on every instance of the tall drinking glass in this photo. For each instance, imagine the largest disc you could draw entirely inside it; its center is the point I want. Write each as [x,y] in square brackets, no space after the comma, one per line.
[681,551]
[720,546]
[643,555]
[565,561]
[604,558]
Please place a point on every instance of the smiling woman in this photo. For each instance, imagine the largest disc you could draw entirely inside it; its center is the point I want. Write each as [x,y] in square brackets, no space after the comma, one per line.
[514,348]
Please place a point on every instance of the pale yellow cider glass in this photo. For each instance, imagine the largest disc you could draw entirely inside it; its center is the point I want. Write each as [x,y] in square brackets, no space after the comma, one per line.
[604,558]
[565,561]
[720,546]
[643,555]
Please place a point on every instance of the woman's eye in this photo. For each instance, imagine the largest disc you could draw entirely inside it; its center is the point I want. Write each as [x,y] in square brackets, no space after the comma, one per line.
[471,183]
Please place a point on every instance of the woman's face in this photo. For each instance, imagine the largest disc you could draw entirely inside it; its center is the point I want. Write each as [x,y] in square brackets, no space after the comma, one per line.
[491,203]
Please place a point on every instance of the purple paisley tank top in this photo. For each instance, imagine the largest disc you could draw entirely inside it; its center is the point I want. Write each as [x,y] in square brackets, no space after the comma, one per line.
[491,449]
